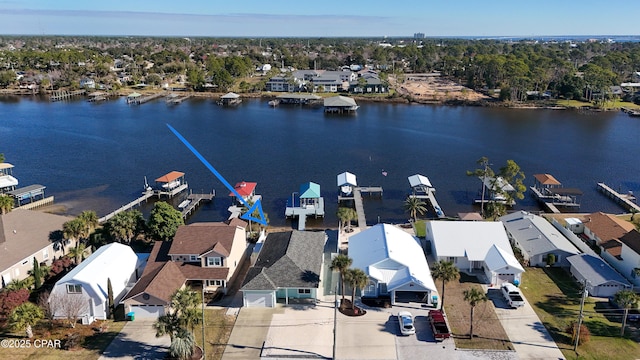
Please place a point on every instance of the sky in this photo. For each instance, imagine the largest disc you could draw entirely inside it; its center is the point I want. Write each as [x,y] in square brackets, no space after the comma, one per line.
[328,18]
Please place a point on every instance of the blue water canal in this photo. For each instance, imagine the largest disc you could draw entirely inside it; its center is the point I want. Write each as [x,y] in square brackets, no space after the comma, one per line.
[95,156]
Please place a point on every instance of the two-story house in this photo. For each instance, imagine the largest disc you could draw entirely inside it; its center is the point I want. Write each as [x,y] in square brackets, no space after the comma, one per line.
[27,234]
[200,255]
[624,255]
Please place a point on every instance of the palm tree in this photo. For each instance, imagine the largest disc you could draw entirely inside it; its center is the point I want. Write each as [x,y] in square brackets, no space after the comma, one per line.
[626,299]
[184,299]
[89,219]
[346,215]
[73,229]
[77,253]
[357,279]
[182,345]
[445,271]
[25,316]
[414,206]
[6,204]
[167,325]
[16,284]
[341,263]
[474,296]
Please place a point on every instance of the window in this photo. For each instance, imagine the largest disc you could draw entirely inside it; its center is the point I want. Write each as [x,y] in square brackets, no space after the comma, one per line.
[74,288]
[45,253]
[215,282]
[304,291]
[193,258]
[214,261]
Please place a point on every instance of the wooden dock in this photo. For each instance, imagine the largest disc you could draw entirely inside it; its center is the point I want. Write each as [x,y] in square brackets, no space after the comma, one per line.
[176,99]
[145,196]
[143,99]
[64,94]
[626,201]
[357,199]
[431,197]
[195,200]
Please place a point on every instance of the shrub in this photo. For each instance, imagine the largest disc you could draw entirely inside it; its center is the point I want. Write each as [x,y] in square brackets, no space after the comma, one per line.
[585,334]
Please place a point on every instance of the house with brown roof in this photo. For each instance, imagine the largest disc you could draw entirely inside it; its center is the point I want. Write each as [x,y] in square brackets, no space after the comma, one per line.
[624,255]
[201,254]
[600,228]
[25,234]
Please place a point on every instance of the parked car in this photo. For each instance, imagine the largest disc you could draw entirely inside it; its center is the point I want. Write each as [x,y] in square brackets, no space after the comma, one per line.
[512,295]
[405,319]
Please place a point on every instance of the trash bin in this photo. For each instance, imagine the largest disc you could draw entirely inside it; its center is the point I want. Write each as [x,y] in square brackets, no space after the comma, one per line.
[131,316]
[434,301]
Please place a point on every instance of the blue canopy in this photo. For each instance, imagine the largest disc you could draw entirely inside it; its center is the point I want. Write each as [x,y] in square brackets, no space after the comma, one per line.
[310,190]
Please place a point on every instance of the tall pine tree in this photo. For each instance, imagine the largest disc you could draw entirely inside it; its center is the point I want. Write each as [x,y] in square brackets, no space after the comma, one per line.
[110,295]
[37,278]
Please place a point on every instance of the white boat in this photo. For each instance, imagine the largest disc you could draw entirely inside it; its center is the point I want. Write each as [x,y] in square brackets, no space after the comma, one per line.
[184,204]
[274,103]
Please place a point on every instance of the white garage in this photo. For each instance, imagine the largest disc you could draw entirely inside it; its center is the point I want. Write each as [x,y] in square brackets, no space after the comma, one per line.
[259,299]
[147,311]
[502,267]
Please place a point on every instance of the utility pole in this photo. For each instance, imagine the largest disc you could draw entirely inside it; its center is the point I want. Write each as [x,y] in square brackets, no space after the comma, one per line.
[584,295]
[335,322]
[203,339]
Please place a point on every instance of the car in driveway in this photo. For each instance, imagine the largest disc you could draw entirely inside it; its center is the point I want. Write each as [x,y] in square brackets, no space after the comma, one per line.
[405,320]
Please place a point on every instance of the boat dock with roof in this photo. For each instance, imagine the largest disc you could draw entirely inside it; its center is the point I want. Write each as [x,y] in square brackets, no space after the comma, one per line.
[247,190]
[340,104]
[298,99]
[349,190]
[308,203]
[422,189]
[549,191]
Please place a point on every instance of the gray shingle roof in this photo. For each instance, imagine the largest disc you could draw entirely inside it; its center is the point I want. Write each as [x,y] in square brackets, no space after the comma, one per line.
[291,259]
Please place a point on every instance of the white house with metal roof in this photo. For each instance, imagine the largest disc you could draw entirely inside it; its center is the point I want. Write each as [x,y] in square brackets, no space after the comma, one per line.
[115,262]
[468,244]
[395,263]
[538,239]
[602,280]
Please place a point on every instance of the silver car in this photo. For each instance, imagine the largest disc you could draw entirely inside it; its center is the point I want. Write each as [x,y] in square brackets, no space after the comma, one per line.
[405,319]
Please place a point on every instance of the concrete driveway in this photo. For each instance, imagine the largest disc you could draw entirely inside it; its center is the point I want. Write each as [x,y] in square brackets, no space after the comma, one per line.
[528,335]
[249,333]
[138,341]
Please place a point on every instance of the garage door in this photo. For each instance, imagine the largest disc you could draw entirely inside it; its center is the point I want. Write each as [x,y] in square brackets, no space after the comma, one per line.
[147,311]
[505,278]
[258,299]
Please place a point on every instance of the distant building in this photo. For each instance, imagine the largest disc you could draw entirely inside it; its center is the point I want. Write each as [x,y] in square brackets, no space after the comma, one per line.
[418,36]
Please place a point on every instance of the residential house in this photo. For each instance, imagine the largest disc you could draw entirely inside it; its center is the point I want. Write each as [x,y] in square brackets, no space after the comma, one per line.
[600,228]
[601,279]
[540,242]
[468,244]
[289,266]
[368,85]
[328,83]
[87,83]
[281,84]
[114,262]
[624,255]
[201,254]
[395,263]
[27,234]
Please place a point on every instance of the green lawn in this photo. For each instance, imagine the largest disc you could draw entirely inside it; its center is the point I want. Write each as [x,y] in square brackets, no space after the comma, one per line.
[420,228]
[555,297]
[609,105]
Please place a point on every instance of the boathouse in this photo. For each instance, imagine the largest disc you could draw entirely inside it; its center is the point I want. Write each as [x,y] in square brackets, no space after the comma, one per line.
[171,184]
[340,104]
[548,190]
[309,203]
[230,99]
[28,194]
[346,182]
[298,99]
[7,181]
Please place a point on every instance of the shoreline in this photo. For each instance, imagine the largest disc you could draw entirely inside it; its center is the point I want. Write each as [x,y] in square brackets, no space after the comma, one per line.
[398,99]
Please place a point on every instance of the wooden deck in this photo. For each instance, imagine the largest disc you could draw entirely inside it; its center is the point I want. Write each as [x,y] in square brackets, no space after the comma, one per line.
[64,94]
[431,197]
[196,199]
[145,196]
[357,199]
[626,201]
